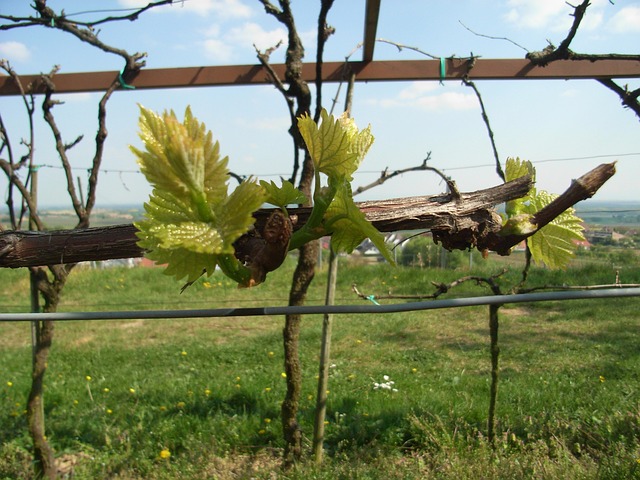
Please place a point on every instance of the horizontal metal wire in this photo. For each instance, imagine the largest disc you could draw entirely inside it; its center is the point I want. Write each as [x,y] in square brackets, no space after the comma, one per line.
[324,309]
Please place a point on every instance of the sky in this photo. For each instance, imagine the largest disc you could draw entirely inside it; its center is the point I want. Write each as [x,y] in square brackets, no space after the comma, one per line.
[565,127]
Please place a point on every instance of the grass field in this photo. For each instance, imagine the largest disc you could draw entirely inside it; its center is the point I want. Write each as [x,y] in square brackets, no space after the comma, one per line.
[200,398]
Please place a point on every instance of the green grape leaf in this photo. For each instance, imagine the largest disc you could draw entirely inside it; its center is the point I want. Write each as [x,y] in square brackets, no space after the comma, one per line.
[554,244]
[284,195]
[194,236]
[181,158]
[516,168]
[190,222]
[336,146]
[349,227]
[166,208]
[235,215]
[183,263]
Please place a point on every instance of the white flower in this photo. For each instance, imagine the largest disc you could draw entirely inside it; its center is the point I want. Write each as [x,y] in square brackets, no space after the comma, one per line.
[386,385]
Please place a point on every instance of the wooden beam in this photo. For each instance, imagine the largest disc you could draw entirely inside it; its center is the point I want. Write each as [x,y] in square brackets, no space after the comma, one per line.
[372,12]
[375,71]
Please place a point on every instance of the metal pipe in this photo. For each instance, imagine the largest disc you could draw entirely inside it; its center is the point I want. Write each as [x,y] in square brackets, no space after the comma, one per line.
[324,309]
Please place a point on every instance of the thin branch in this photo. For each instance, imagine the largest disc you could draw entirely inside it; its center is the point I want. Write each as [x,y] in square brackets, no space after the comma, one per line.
[15,180]
[401,47]
[386,176]
[563,52]
[22,22]
[47,107]
[550,53]
[277,82]
[101,137]
[485,117]
[491,37]
[324,32]
[49,18]
[27,159]
[560,288]
[131,16]
[628,98]
[440,288]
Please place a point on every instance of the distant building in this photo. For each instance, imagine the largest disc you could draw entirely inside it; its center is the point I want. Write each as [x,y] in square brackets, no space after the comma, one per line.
[604,235]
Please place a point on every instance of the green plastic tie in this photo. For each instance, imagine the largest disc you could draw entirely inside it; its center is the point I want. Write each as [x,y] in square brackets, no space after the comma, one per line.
[443,70]
[372,299]
[124,84]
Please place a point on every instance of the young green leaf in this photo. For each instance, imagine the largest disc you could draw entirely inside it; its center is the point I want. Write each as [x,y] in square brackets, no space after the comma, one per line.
[516,168]
[349,227]
[284,195]
[554,244]
[336,146]
[190,221]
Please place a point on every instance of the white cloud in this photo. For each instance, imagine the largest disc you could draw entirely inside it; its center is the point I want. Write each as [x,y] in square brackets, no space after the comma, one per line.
[217,49]
[222,9]
[417,89]
[14,51]
[429,96]
[448,101]
[534,13]
[221,45]
[250,34]
[627,20]
[551,14]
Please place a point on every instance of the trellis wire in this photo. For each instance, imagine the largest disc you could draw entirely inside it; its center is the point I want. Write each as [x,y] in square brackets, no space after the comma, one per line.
[323,309]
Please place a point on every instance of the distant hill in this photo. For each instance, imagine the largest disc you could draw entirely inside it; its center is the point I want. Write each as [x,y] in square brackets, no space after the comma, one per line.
[609,213]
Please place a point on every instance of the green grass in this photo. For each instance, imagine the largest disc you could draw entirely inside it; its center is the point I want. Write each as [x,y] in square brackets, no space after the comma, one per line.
[209,390]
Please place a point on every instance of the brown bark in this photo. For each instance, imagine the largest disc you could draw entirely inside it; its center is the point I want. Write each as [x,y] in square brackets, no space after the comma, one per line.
[436,212]
[299,91]
[468,221]
[44,461]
